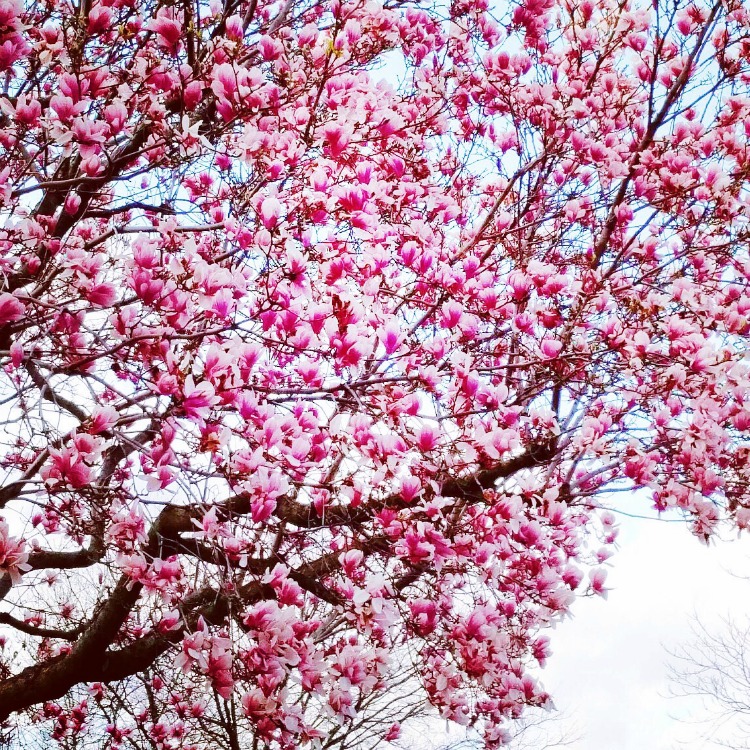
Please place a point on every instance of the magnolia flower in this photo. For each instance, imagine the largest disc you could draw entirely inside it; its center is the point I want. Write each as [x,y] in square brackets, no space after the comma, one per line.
[13,554]
[11,309]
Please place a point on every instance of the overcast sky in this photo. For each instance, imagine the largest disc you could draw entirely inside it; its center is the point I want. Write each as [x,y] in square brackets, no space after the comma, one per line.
[608,669]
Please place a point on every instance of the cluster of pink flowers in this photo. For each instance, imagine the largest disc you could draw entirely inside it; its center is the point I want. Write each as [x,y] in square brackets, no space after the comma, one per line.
[14,554]
[302,368]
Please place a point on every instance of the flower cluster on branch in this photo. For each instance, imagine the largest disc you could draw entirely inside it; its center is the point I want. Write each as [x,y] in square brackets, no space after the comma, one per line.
[327,328]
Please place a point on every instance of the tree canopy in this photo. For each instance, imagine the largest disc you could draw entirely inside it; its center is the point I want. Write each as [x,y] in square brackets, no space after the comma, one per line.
[328,329]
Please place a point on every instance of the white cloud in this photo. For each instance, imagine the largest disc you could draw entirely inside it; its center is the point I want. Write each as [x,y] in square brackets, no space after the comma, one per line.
[608,669]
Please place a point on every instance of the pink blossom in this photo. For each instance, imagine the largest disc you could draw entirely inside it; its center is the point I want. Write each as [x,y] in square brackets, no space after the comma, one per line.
[11,12]
[256,705]
[116,115]
[67,467]
[597,578]
[193,95]
[170,622]
[270,211]
[550,348]
[28,111]
[411,487]
[11,309]
[235,27]
[99,20]
[11,51]
[65,108]
[219,667]
[210,527]
[72,203]
[428,438]
[17,354]
[351,560]
[13,554]
[393,732]
[168,28]
[129,529]
[424,616]
[337,137]
[194,647]
[103,418]
[198,399]
[102,295]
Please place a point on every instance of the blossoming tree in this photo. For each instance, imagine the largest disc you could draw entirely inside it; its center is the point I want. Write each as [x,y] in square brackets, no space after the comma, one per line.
[326,326]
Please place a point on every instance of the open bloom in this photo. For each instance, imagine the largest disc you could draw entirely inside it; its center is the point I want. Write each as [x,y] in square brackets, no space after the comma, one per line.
[13,555]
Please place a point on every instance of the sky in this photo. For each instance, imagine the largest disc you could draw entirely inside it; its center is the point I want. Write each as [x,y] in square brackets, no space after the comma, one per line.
[608,671]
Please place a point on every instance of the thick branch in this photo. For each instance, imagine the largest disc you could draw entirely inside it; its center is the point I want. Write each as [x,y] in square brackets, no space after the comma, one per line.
[25,627]
[14,489]
[80,558]
[89,659]
[48,394]
[52,679]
